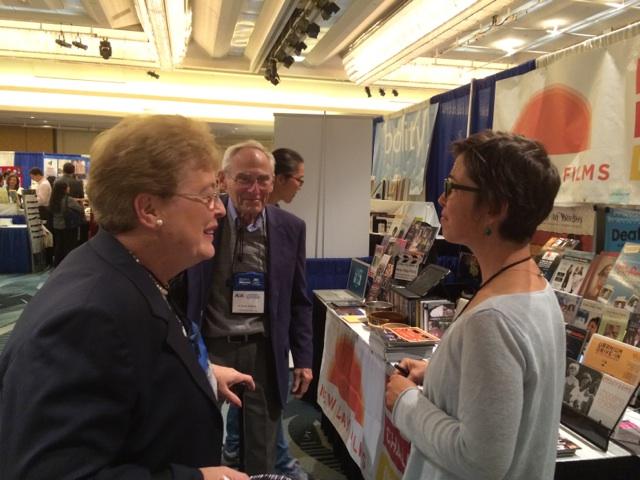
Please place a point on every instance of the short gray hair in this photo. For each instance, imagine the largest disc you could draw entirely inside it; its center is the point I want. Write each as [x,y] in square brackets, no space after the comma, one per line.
[233,149]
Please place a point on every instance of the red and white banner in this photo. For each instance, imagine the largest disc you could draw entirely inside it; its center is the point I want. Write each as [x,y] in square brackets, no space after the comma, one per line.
[351,394]
[585,109]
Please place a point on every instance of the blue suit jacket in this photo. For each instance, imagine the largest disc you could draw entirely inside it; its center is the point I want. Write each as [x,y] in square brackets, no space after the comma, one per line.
[98,380]
[287,304]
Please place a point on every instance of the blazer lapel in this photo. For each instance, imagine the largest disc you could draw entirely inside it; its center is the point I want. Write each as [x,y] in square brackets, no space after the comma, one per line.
[113,251]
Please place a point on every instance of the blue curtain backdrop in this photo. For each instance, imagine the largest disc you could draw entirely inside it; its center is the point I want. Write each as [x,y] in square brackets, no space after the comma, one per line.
[26,161]
[484,94]
[452,119]
[451,124]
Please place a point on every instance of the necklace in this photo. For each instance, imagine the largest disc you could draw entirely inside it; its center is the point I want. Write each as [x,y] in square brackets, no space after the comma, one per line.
[164,289]
[484,284]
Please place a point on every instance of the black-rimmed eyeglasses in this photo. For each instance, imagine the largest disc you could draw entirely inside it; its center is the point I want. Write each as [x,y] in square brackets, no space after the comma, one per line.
[208,200]
[449,185]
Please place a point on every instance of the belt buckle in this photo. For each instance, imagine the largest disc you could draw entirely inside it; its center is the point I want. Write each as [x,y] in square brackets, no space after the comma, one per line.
[242,338]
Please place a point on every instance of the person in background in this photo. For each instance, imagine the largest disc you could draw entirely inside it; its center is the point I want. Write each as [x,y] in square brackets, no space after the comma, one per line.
[13,187]
[43,193]
[492,391]
[289,175]
[263,247]
[102,377]
[289,170]
[76,189]
[4,194]
[65,237]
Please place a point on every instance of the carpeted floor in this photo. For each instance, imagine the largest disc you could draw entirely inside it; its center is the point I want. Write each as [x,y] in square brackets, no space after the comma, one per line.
[307,442]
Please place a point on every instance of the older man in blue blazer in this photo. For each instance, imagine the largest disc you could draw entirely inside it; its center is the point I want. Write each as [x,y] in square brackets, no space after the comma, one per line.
[251,299]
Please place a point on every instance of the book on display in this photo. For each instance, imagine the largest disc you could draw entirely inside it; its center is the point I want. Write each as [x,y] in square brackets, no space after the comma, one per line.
[571,271]
[622,288]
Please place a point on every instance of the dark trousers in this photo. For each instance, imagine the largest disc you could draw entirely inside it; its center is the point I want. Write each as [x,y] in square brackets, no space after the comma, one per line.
[64,240]
[261,408]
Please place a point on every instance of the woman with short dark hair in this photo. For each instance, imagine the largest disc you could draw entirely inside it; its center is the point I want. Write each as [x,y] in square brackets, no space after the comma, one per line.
[493,389]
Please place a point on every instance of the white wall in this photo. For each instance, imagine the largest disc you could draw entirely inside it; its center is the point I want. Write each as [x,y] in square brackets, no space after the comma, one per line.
[334,201]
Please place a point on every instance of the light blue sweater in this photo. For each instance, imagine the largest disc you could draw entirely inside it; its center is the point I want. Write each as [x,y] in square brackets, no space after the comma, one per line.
[492,394]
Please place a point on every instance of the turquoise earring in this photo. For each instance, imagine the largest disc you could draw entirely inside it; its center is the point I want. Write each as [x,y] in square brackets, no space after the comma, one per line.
[488,231]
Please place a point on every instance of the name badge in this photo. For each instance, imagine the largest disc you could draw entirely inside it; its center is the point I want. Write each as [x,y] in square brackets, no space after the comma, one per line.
[248,293]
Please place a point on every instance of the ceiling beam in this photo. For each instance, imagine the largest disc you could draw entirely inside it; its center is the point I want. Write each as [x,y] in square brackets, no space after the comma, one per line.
[272,19]
[112,13]
[214,24]
[359,15]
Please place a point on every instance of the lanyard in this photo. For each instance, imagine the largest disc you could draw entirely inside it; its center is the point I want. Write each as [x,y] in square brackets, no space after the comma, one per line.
[506,267]
[238,248]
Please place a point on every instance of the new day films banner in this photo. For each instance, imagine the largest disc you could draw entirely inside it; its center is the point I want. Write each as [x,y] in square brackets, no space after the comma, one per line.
[583,109]
[402,144]
[351,389]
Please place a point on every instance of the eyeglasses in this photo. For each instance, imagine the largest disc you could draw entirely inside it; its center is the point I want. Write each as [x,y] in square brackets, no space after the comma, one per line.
[208,201]
[300,180]
[449,185]
[247,181]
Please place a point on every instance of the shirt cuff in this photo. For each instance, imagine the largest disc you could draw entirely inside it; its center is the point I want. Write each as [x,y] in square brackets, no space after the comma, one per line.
[406,403]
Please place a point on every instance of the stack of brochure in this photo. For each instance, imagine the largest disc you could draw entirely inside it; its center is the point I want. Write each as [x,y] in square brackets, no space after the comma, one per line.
[395,342]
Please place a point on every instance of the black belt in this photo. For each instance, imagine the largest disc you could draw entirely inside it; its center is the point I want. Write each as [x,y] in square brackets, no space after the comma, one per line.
[247,337]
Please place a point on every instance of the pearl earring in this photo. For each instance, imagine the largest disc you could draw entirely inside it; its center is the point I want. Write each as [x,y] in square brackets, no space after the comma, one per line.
[159,222]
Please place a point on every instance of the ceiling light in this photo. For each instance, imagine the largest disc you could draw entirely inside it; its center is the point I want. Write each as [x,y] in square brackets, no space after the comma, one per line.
[284,58]
[382,92]
[509,44]
[105,49]
[298,47]
[78,44]
[394,92]
[367,91]
[304,26]
[271,72]
[153,74]
[327,9]
[402,36]
[62,42]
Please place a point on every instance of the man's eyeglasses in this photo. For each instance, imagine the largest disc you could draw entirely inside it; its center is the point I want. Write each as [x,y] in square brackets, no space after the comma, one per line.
[208,200]
[246,180]
[449,186]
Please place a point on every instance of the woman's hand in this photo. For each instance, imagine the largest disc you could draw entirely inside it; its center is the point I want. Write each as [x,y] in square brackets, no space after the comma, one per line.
[395,386]
[222,473]
[416,369]
[227,378]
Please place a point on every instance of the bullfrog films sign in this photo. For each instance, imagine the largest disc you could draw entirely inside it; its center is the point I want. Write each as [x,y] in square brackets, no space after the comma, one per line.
[583,106]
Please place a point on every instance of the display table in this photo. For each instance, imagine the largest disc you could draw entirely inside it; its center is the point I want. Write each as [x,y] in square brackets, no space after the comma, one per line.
[15,251]
[351,387]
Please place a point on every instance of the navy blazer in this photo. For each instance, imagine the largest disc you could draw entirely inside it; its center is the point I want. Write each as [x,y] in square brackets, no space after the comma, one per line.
[287,303]
[98,380]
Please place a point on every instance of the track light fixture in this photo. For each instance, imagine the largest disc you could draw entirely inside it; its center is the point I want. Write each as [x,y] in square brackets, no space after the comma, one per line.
[304,26]
[284,58]
[327,9]
[367,91]
[62,42]
[298,47]
[153,74]
[105,48]
[271,72]
[382,92]
[78,43]
[394,92]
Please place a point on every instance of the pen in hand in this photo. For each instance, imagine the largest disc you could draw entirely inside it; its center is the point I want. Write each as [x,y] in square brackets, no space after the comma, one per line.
[403,371]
